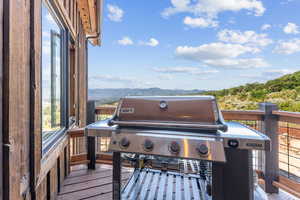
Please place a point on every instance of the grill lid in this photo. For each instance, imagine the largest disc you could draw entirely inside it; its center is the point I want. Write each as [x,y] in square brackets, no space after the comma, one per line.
[187,112]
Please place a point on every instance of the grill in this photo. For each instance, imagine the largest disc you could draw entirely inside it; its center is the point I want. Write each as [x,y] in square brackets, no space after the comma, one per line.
[153,184]
[188,142]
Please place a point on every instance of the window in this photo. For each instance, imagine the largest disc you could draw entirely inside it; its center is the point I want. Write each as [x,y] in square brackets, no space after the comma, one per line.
[53,102]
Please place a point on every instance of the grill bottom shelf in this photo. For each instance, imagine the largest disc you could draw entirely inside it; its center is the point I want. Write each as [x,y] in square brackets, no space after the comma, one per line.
[149,184]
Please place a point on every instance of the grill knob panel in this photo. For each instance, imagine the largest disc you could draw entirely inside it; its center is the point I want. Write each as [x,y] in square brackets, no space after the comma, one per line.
[124,142]
[202,149]
[174,147]
[148,145]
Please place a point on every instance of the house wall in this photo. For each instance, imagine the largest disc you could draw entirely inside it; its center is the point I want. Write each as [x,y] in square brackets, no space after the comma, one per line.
[1,144]
[28,175]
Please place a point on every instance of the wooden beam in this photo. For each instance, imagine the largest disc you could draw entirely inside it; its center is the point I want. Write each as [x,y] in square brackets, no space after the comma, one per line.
[286,188]
[85,15]
[290,183]
[65,15]
[105,110]
[82,77]
[76,132]
[16,81]
[242,115]
[270,128]
[1,68]
[35,94]
[292,117]
[93,15]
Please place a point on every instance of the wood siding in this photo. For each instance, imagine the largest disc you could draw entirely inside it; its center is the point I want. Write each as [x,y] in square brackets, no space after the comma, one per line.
[16,100]
[82,77]
[1,67]
[35,94]
[26,171]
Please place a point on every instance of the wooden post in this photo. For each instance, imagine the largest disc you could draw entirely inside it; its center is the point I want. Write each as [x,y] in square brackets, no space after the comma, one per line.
[1,143]
[117,173]
[270,128]
[91,141]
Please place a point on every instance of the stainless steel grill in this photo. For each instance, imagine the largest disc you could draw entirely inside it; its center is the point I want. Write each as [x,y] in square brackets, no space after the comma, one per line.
[151,184]
[213,157]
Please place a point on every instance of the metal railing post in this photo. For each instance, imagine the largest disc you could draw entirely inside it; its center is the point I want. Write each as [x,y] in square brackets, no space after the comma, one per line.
[91,141]
[270,128]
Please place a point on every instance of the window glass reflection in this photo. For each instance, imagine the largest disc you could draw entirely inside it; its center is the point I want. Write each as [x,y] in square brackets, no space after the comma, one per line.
[51,75]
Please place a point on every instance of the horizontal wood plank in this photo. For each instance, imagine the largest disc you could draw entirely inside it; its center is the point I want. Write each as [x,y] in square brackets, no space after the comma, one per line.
[292,117]
[76,132]
[242,115]
[90,184]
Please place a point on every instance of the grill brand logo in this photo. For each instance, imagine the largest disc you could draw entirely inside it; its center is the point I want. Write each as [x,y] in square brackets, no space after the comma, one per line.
[127,110]
[254,145]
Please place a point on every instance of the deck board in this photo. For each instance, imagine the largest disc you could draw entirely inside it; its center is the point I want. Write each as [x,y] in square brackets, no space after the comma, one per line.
[97,184]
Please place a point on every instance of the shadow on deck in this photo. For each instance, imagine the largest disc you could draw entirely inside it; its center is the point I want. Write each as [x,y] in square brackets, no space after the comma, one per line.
[97,184]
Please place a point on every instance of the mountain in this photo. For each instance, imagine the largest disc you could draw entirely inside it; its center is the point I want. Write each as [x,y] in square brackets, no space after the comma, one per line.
[106,96]
[284,91]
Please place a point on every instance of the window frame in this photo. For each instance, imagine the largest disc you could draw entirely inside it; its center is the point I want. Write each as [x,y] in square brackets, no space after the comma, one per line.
[50,142]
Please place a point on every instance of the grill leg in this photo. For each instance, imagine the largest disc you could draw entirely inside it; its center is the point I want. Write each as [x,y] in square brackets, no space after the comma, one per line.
[234,179]
[91,152]
[117,175]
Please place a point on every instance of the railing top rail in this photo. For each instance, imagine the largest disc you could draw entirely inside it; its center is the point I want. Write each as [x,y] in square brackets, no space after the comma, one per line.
[105,110]
[76,132]
[243,114]
[292,117]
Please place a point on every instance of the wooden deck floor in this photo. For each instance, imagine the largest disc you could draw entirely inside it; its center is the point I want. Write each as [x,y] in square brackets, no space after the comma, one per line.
[90,184]
[97,184]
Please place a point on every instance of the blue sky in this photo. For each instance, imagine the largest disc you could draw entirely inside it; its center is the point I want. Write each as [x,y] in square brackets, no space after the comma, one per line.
[195,44]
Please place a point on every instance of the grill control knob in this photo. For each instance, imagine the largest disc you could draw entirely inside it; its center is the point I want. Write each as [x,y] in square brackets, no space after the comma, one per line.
[124,142]
[202,149]
[174,147]
[148,145]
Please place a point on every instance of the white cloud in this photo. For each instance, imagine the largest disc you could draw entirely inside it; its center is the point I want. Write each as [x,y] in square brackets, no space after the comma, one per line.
[125,41]
[199,22]
[112,78]
[288,47]
[211,8]
[115,13]
[152,42]
[165,76]
[284,2]
[46,47]
[277,72]
[50,19]
[175,69]
[213,51]
[107,81]
[265,27]
[45,34]
[268,74]
[184,70]
[237,63]
[291,28]
[222,55]
[246,37]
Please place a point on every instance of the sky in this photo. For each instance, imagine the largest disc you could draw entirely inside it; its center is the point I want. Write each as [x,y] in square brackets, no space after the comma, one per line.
[195,44]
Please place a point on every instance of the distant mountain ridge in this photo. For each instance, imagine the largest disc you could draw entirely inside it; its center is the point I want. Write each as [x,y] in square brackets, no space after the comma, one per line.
[110,95]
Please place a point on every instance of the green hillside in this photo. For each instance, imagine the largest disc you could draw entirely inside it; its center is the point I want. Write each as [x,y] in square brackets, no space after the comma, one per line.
[284,91]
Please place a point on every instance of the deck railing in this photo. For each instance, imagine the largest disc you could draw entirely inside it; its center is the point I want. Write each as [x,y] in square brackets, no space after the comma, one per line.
[288,143]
